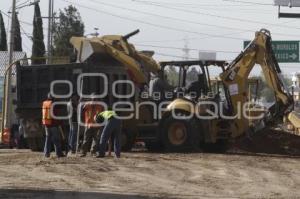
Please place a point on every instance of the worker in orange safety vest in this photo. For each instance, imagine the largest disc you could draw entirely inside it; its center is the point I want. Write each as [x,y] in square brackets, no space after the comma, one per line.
[51,128]
[92,130]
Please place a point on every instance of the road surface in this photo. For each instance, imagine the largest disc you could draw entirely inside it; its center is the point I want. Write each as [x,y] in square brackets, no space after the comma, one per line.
[25,174]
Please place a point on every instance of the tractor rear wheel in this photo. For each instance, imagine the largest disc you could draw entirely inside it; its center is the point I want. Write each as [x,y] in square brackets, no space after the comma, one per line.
[180,135]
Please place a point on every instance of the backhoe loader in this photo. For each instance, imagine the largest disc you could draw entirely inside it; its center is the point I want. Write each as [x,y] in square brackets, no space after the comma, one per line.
[213,119]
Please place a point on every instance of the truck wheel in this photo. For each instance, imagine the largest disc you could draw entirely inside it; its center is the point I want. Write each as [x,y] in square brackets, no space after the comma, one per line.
[35,144]
[127,140]
[180,135]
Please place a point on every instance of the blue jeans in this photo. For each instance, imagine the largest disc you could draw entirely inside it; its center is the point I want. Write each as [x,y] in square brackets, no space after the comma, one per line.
[72,140]
[112,128]
[52,136]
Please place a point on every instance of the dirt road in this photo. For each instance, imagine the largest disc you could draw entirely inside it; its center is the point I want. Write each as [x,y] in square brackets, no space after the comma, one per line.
[24,174]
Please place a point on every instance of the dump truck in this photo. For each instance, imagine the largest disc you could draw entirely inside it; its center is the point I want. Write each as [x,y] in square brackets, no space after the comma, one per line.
[105,65]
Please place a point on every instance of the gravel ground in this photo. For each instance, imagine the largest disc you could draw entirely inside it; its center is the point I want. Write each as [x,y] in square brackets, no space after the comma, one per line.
[247,170]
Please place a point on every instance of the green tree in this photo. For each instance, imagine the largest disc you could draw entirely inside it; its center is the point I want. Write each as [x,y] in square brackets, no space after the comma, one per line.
[171,75]
[18,38]
[38,46]
[70,24]
[265,92]
[3,41]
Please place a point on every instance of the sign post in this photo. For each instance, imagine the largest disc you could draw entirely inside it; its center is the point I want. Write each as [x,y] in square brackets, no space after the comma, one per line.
[285,51]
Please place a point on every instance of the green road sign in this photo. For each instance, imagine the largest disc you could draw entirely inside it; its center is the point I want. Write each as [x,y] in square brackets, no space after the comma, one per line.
[285,51]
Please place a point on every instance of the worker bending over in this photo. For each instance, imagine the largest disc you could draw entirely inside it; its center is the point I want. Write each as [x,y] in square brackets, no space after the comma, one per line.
[112,128]
[91,133]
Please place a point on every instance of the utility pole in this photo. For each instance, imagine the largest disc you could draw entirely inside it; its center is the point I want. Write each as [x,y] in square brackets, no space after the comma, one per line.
[186,49]
[7,109]
[50,26]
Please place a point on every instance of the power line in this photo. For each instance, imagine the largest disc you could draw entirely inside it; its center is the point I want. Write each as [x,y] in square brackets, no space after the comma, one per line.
[29,37]
[217,16]
[184,20]
[152,24]
[194,38]
[192,49]
[230,9]
[21,4]
[252,3]
[23,32]
[172,18]
[193,4]
[214,6]
[175,56]
[23,22]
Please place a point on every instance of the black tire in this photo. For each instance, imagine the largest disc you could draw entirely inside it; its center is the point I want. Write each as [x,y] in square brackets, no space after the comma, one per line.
[181,135]
[35,144]
[153,146]
[127,140]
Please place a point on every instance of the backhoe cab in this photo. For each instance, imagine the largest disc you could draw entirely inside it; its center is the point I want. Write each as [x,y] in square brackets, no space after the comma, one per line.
[178,134]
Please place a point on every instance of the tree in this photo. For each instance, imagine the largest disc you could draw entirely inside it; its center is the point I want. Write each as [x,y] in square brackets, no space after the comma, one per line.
[38,46]
[70,24]
[18,38]
[265,92]
[172,75]
[3,41]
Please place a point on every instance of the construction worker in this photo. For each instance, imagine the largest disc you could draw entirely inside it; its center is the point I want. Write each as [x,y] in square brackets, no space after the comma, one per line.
[158,86]
[112,128]
[91,133]
[73,123]
[199,87]
[51,127]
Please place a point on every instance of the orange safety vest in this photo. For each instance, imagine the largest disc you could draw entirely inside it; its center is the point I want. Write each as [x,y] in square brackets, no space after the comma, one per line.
[46,113]
[89,111]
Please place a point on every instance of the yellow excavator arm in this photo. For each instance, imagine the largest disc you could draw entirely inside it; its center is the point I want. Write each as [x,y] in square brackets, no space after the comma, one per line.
[235,77]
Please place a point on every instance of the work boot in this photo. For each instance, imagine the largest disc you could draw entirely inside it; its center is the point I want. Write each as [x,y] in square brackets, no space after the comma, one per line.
[82,155]
[61,156]
[71,153]
[100,155]
[93,153]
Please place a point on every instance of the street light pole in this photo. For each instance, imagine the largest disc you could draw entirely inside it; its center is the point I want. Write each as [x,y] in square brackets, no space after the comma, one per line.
[7,110]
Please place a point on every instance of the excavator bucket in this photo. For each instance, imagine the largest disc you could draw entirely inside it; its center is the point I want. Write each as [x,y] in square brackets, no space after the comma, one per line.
[294,119]
[137,63]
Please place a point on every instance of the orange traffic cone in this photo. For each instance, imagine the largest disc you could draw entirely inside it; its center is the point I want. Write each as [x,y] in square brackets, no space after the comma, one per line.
[6,136]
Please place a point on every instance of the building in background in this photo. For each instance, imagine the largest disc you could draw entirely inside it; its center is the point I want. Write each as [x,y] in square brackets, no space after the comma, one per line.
[296,87]
[4,59]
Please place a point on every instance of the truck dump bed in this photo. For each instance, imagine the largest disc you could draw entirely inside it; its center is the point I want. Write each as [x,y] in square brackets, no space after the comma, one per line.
[33,82]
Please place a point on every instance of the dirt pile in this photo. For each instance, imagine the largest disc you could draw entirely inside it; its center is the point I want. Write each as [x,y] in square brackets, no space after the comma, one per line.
[269,141]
